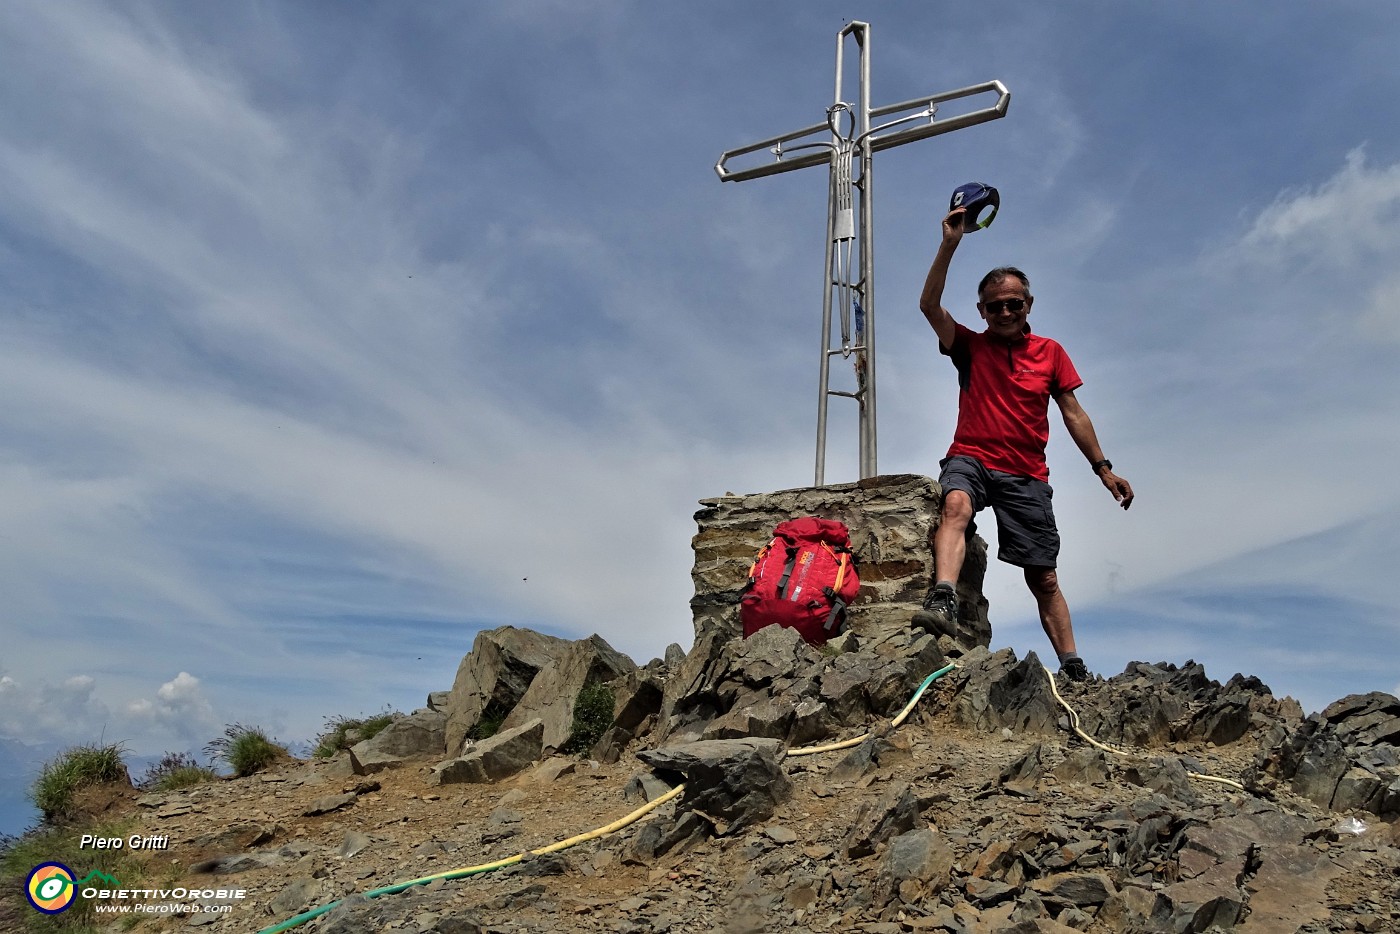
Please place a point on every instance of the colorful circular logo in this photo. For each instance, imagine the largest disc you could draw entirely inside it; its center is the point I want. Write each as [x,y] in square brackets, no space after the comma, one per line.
[50,888]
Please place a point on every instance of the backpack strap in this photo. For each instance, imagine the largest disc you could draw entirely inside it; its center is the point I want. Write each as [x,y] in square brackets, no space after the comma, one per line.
[753,568]
[838,606]
[787,570]
[843,562]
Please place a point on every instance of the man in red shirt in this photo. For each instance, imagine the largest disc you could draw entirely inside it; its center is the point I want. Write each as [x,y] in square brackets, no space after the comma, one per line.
[1007,377]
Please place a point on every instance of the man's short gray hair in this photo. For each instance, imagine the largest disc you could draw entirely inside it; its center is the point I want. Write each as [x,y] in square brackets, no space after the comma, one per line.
[1000,273]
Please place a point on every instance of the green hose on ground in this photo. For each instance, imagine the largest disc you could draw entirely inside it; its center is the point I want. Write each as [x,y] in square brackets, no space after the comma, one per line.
[485,867]
[618,824]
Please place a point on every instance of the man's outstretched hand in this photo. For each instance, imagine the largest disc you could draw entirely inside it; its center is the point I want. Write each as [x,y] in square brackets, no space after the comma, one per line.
[1120,488]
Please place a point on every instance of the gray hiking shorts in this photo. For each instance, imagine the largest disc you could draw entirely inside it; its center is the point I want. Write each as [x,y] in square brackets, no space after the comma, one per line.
[1026,532]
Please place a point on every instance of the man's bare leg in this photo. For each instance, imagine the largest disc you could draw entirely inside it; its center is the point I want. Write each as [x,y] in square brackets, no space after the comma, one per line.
[1054,611]
[939,614]
[950,540]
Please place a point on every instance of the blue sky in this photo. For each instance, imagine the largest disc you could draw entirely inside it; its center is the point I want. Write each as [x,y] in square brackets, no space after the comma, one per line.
[333,332]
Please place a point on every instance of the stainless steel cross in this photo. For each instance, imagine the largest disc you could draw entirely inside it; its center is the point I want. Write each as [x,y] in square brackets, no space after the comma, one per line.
[852,287]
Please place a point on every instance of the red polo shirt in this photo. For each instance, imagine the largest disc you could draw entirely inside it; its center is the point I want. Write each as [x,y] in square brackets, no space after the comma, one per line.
[1003,406]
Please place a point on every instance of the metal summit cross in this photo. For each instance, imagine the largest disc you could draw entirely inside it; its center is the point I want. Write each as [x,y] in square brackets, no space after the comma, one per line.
[849,286]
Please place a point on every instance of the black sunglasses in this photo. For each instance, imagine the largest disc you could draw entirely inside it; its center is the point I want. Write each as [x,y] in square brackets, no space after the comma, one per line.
[1012,305]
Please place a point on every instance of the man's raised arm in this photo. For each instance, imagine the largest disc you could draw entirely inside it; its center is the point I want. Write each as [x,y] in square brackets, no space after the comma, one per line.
[931,301]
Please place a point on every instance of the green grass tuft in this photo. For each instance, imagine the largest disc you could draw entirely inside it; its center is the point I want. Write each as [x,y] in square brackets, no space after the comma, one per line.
[593,714]
[344,732]
[246,749]
[176,770]
[187,777]
[489,723]
[73,770]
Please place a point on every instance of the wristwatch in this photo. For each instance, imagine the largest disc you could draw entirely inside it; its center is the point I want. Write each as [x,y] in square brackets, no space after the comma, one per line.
[1097,466]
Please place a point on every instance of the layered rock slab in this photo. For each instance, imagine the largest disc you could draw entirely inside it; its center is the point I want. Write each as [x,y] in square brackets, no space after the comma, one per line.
[493,677]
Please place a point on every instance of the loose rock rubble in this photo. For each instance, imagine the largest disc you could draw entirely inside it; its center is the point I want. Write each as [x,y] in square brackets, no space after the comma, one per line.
[982,812]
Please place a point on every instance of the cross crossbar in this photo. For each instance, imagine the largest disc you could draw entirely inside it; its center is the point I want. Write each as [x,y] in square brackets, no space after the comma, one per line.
[877,143]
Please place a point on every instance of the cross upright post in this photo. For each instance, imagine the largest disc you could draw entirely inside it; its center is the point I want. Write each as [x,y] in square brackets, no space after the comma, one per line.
[850,253]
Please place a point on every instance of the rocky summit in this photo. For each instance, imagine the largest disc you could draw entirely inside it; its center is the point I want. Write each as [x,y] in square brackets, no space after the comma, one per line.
[1157,800]
[893,781]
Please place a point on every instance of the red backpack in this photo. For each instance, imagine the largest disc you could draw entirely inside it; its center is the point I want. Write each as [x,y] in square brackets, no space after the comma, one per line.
[803,579]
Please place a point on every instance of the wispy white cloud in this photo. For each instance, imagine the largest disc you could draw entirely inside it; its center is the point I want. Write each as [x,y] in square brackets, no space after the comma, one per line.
[281,348]
[1347,219]
[1334,245]
[424,464]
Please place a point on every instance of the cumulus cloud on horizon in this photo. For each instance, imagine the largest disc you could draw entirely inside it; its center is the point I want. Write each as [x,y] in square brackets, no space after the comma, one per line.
[81,710]
[42,712]
[179,708]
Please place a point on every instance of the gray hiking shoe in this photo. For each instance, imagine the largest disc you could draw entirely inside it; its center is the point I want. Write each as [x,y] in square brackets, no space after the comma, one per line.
[939,616]
[1074,670]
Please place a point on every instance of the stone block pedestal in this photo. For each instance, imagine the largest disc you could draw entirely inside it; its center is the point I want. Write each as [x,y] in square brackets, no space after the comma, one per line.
[892,520]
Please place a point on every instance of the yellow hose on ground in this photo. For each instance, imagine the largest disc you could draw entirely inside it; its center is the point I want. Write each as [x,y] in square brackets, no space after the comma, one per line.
[485,867]
[1074,724]
[618,824]
[899,718]
[575,840]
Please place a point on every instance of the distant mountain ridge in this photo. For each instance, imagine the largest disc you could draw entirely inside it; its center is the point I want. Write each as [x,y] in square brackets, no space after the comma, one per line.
[20,763]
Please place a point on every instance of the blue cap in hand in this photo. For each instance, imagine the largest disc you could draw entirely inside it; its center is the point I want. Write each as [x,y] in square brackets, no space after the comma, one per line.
[980,201]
